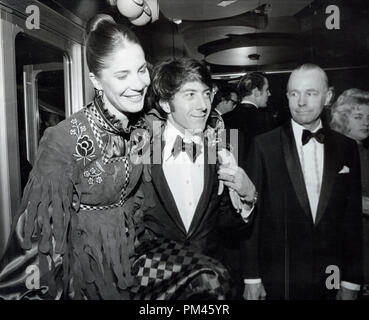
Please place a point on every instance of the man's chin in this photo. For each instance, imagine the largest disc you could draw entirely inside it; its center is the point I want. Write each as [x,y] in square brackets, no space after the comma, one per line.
[307,122]
[198,130]
[198,127]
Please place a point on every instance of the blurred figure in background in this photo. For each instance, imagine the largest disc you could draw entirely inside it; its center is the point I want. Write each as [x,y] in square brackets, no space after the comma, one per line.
[225,101]
[350,116]
[49,119]
[52,120]
[252,116]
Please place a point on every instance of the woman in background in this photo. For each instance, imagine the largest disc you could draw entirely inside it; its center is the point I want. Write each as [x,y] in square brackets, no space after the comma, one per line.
[350,116]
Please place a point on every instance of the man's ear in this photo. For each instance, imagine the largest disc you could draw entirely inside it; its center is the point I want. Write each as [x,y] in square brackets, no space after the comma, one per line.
[329,96]
[95,81]
[213,92]
[256,92]
[165,106]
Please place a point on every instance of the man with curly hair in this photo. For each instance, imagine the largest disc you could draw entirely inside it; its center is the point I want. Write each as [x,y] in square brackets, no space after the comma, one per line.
[185,204]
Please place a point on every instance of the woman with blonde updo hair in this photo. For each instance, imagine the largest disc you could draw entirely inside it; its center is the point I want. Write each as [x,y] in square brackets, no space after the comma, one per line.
[350,116]
[78,231]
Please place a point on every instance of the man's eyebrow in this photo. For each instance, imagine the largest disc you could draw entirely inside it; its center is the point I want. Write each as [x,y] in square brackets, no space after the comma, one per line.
[307,90]
[188,90]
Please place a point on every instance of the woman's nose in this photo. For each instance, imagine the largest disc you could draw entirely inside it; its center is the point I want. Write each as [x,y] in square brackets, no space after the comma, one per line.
[139,82]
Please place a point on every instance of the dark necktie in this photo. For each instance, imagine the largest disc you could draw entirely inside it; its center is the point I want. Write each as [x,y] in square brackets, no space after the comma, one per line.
[307,135]
[192,149]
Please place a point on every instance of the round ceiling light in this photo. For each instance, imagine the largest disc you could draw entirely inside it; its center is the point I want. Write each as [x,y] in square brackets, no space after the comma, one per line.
[254,56]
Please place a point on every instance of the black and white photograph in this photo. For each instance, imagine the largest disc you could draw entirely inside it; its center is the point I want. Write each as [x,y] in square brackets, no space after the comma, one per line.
[202,151]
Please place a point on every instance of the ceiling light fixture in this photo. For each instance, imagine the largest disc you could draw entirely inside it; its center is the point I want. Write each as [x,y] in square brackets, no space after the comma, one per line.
[264,9]
[139,12]
[254,56]
[225,3]
[177,21]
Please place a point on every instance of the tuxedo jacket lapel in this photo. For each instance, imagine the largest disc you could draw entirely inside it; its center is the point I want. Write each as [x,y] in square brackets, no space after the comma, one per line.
[330,167]
[294,167]
[161,185]
[164,193]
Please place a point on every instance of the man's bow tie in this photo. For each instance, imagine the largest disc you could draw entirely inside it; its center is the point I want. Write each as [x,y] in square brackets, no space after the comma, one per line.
[192,149]
[307,135]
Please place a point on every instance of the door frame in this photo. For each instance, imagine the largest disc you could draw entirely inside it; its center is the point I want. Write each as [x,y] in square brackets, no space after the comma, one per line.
[59,32]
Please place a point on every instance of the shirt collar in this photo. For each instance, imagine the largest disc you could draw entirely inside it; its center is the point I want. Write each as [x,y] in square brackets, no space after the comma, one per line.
[169,136]
[298,129]
[249,102]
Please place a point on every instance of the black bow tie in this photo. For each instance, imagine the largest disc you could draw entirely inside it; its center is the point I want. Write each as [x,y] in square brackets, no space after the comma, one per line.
[192,149]
[307,135]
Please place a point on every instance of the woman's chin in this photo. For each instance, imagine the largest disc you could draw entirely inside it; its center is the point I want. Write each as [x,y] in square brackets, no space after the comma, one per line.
[132,107]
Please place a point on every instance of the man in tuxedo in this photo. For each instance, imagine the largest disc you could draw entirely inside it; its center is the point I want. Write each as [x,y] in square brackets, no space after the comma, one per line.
[307,234]
[225,100]
[251,117]
[185,205]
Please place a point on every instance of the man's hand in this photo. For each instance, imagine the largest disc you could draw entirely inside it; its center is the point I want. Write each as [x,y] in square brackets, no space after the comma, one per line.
[365,201]
[346,294]
[236,178]
[254,291]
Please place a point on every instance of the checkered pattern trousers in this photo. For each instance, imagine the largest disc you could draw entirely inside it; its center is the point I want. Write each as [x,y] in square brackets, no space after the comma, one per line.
[170,271]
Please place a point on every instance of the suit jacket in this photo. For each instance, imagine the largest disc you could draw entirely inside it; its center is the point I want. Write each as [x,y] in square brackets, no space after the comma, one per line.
[286,249]
[251,121]
[214,217]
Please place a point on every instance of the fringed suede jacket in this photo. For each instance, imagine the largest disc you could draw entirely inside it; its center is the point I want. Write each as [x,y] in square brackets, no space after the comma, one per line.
[71,213]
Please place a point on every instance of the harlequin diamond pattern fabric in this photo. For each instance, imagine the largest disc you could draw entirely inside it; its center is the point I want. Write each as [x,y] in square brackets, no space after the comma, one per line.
[170,271]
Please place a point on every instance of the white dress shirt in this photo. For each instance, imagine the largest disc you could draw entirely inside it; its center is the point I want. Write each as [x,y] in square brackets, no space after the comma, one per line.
[250,102]
[185,178]
[311,157]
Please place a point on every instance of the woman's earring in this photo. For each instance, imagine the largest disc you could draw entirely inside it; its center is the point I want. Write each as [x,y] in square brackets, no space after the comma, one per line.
[99,93]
